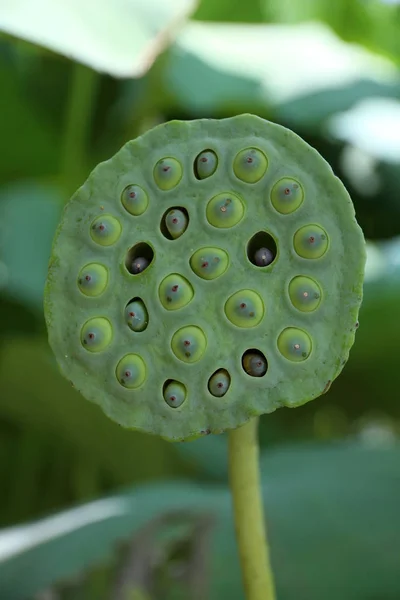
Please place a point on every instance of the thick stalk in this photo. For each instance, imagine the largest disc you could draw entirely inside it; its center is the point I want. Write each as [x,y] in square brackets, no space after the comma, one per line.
[251,535]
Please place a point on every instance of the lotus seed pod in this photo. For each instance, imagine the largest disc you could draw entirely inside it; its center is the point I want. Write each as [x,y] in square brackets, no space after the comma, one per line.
[209,263]
[189,344]
[175,394]
[135,200]
[225,210]
[93,279]
[294,344]
[206,164]
[136,315]
[311,241]
[176,222]
[245,308]
[175,292]
[96,334]
[287,195]
[131,371]
[139,264]
[305,293]
[250,165]
[105,230]
[220,314]
[219,383]
[168,173]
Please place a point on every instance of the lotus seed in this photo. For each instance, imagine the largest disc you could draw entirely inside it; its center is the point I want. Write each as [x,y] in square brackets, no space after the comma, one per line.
[136,315]
[135,200]
[311,241]
[294,344]
[219,383]
[105,230]
[209,263]
[263,257]
[245,308]
[139,264]
[175,292]
[250,165]
[206,164]
[189,344]
[225,210]
[287,195]
[93,279]
[168,173]
[131,371]
[176,221]
[304,293]
[96,334]
[254,363]
[174,394]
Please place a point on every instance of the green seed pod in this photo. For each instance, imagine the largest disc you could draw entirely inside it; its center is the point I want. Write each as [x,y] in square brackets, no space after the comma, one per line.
[189,344]
[135,200]
[175,292]
[311,241]
[167,173]
[105,230]
[294,344]
[174,394]
[131,371]
[176,222]
[93,279]
[205,164]
[303,346]
[245,308]
[287,195]
[96,334]
[136,315]
[250,165]
[219,383]
[305,293]
[209,263]
[225,210]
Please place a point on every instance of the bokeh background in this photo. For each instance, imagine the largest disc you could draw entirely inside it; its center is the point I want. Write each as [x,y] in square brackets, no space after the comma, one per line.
[78,80]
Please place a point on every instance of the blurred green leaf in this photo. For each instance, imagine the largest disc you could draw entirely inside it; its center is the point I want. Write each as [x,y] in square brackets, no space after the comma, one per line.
[121,38]
[333,523]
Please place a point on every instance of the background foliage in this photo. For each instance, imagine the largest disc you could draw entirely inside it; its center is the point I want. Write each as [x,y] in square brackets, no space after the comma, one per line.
[331,72]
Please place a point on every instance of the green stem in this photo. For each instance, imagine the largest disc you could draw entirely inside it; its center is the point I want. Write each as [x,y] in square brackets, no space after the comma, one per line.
[251,536]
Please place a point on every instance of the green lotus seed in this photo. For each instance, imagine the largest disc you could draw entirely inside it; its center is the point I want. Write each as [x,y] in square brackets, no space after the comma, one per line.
[254,363]
[287,195]
[175,292]
[209,263]
[105,230]
[131,371]
[219,383]
[139,265]
[225,210]
[135,200]
[168,173]
[263,257]
[311,241]
[294,344]
[93,279]
[245,308]
[250,165]
[206,164]
[189,344]
[304,293]
[136,315]
[176,221]
[174,394]
[96,334]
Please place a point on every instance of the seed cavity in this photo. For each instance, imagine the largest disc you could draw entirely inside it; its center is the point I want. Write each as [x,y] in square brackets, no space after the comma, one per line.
[167,173]
[189,344]
[135,200]
[254,363]
[174,393]
[250,165]
[219,383]
[93,279]
[205,164]
[245,309]
[175,292]
[131,371]
[294,344]
[139,258]
[105,230]
[287,195]
[261,249]
[224,210]
[96,334]
[174,222]
[136,315]
[209,263]
[311,241]
[305,293]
